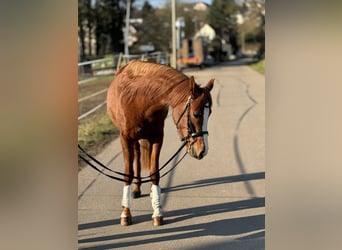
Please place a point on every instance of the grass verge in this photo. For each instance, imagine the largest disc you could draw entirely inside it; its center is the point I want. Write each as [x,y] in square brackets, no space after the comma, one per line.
[259,66]
[95,133]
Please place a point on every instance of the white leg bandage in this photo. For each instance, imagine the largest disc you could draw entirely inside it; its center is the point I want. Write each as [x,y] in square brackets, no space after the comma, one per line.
[156,201]
[126,196]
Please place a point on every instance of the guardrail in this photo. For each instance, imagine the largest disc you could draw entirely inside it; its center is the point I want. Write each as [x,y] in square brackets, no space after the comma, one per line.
[90,70]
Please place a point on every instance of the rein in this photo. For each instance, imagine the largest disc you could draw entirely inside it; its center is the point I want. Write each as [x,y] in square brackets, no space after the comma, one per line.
[125,175]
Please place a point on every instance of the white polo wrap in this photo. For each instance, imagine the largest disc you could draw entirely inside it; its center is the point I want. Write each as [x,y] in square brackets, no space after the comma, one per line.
[126,196]
[156,201]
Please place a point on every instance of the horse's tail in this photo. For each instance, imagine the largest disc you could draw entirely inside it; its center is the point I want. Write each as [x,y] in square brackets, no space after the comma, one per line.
[145,150]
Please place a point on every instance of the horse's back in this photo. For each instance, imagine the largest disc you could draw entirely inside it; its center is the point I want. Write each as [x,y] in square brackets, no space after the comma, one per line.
[127,100]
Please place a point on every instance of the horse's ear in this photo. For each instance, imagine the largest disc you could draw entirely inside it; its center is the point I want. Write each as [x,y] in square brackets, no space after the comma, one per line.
[194,88]
[210,85]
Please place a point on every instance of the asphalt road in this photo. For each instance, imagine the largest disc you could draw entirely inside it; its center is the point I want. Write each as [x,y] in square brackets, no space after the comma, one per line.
[214,203]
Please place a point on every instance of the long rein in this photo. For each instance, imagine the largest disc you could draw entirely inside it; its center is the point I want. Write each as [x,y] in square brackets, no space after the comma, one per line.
[142,179]
[147,178]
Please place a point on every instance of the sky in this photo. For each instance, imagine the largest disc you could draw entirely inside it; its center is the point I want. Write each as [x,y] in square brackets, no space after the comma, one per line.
[157,3]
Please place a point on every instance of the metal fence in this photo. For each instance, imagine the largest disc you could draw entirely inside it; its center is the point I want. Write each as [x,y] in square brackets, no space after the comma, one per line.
[91,70]
[108,65]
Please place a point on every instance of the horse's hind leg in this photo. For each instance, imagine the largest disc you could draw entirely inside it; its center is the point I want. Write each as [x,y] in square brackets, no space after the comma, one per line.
[137,182]
[128,153]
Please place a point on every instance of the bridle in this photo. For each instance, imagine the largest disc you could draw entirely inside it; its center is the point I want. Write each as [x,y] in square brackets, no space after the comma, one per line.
[191,132]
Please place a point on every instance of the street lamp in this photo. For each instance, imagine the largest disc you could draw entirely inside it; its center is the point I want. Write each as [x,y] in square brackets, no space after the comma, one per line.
[128,11]
[179,25]
[173,28]
[240,20]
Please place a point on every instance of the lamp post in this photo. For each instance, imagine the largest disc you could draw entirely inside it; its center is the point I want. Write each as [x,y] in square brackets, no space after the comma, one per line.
[128,11]
[240,21]
[174,41]
[179,25]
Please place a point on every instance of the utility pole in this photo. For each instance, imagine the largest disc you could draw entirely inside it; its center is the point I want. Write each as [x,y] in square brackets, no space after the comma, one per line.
[174,41]
[128,11]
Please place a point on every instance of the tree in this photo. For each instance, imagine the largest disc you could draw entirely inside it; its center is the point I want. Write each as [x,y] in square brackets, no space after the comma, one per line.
[222,17]
[90,24]
[109,23]
[104,21]
[253,26]
[82,24]
[155,29]
[146,10]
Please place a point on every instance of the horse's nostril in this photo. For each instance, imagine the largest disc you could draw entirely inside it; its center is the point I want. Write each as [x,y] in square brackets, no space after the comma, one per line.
[201,155]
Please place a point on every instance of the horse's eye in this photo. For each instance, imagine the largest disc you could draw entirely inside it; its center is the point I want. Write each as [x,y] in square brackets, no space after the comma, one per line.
[197,115]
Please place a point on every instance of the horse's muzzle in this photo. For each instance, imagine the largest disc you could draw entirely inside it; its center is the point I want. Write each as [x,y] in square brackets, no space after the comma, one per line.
[194,153]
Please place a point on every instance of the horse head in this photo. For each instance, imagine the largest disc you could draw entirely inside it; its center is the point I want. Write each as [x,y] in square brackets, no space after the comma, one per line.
[193,118]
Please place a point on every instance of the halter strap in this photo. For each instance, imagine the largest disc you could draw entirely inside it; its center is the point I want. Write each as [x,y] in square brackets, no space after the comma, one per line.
[187,105]
[190,134]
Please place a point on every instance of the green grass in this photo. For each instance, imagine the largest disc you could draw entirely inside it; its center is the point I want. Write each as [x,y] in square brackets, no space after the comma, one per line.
[96,132]
[109,63]
[259,66]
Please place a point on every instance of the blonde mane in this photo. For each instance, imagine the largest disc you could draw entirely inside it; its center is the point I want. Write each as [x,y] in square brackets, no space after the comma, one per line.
[154,81]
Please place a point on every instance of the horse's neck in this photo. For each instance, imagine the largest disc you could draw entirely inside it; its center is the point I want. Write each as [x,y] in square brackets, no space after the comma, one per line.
[177,95]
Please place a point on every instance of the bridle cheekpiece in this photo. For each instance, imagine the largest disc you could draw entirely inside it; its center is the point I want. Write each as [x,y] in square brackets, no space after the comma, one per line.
[191,132]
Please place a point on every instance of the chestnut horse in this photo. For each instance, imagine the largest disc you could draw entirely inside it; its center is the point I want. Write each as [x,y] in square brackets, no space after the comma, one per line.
[138,100]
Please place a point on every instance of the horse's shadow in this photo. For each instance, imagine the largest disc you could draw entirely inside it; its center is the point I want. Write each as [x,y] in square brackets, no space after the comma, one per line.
[222,227]
[225,227]
[216,181]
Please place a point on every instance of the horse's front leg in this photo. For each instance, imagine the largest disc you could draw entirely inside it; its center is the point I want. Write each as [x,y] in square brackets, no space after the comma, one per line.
[128,154]
[157,217]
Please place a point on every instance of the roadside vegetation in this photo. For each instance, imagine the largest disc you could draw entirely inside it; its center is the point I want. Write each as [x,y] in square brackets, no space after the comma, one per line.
[259,66]
[97,130]
[96,133]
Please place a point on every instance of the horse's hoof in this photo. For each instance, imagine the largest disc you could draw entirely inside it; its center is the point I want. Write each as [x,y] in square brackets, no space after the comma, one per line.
[126,221]
[157,221]
[136,194]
